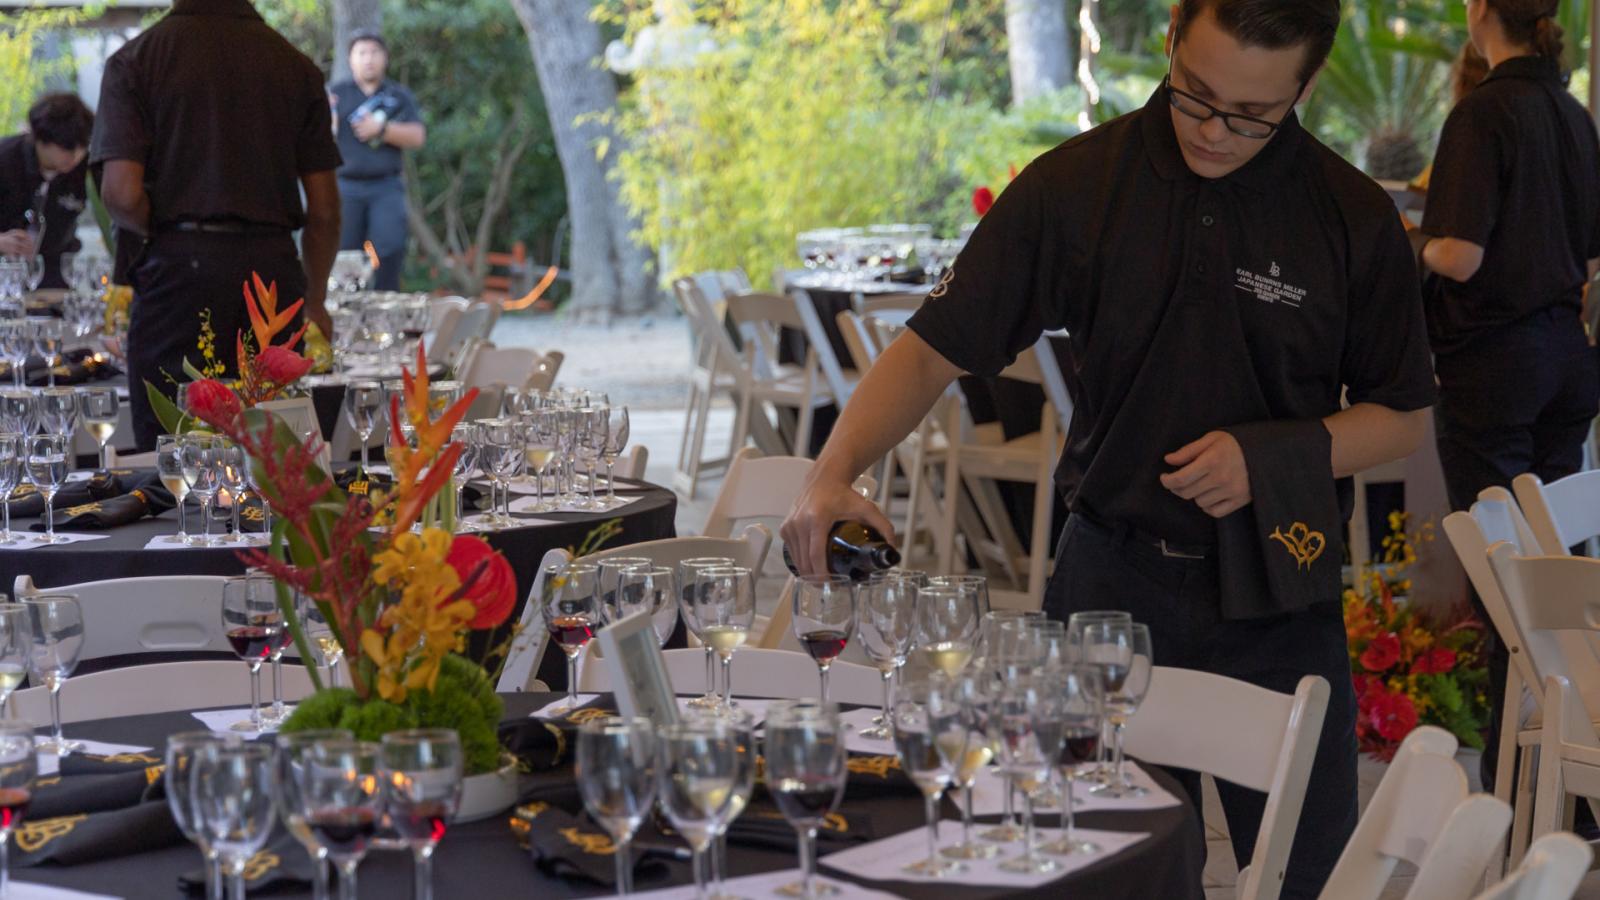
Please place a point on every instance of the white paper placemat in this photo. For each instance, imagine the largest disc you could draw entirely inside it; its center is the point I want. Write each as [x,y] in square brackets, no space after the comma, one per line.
[530,504]
[49,763]
[33,540]
[20,890]
[886,859]
[767,884]
[251,539]
[857,721]
[223,719]
[988,798]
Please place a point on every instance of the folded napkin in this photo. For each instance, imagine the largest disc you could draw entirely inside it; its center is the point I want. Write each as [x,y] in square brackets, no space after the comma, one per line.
[62,795]
[564,845]
[78,367]
[282,864]
[763,825]
[1284,551]
[538,744]
[89,837]
[104,501]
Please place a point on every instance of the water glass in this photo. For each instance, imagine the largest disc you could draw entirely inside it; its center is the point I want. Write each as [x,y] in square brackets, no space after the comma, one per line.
[18,766]
[421,771]
[58,410]
[55,624]
[292,749]
[341,798]
[1122,652]
[99,410]
[616,773]
[688,607]
[806,772]
[886,628]
[697,769]
[231,787]
[253,625]
[652,588]
[12,454]
[571,608]
[975,692]
[364,403]
[48,465]
[182,751]
[824,619]
[931,737]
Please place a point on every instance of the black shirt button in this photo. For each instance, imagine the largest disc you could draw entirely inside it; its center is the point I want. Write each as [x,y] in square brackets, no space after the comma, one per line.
[1200,267]
[1207,221]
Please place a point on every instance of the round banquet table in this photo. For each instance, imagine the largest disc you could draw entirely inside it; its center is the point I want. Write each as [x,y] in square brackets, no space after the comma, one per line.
[122,553]
[483,859]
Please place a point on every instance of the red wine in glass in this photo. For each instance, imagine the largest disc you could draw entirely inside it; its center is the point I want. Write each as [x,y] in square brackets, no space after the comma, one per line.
[343,830]
[571,632]
[800,801]
[13,807]
[253,642]
[1080,746]
[422,821]
[825,644]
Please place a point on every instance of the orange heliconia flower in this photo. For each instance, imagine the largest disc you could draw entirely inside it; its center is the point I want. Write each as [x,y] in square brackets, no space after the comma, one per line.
[265,320]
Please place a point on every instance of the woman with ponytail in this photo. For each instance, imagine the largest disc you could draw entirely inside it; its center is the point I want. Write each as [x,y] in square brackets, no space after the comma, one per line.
[1509,239]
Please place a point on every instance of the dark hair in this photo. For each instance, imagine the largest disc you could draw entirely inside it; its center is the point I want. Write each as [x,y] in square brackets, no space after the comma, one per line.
[366,34]
[1273,24]
[1530,23]
[62,120]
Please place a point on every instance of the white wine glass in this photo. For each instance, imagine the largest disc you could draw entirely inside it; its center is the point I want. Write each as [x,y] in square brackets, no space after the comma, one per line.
[931,737]
[947,622]
[727,613]
[696,774]
[616,773]
[688,607]
[975,691]
[169,466]
[55,624]
[886,625]
[48,465]
[99,410]
[542,435]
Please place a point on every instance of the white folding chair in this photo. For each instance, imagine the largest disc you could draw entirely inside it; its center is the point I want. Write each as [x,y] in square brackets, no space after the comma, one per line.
[714,362]
[475,322]
[763,380]
[1552,870]
[633,465]
[156,614]
[757,672]
[1422,813]
[529,638]
[301,417]
[1562,514]
[444,317]
[155,688]
[1250,736]
[544,374]
[509,367]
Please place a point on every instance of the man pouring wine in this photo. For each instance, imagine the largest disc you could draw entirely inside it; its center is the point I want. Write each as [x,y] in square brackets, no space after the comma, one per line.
[1226,281]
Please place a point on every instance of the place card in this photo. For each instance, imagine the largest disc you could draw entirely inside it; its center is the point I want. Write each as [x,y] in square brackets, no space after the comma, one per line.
[222,720]
[988,797]
[33,540]
[886,859]
[21,890]
[50,764]
[639,678]
[766,885]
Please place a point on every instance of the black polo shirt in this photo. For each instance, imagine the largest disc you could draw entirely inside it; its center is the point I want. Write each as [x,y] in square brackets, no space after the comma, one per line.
[361,161]
[1517,173]
[63,200]
[223,112]
[1192,304]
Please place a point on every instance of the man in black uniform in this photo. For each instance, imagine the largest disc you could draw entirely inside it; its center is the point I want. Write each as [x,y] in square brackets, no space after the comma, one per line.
[376,118]
[42,183]
[210,125]
[1224,279]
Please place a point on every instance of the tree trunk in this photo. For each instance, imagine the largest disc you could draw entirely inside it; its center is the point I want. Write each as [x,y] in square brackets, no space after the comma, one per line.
[1038,46]
[610,271]
[350,16]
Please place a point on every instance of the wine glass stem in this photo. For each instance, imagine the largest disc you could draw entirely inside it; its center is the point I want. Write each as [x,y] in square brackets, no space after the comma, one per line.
[572,681]
[699,863]
[823,672]
[234,506]
[5,864]
[347,878]
[50,517]
[205,521]
[213,874]
[255,696]
[886,681]
[624,858]
[55,715]
[711,672]
[319,877]
[6,504]
[1067,816]
[611,492]
[183,516]
[1119,773]
[422,873]
[103,464]
[727,679]
[930,803]
[1027,827]
[719,862]
[592,503]
[966,812]
[366,436]
[277,685]
[460,512]
[236,884]
[808,866]
[1010,820]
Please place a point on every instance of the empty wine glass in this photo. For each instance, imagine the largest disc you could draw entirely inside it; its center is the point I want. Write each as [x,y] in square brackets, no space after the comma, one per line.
[744,783]
[99,410]
[616,773]
[200,457]
[616,421]
[1082,713]
[590,435]
[12,454]
[696,773]
[292,749]
[421,772]
[233,480]
[1121,650]
[169,465]
[1029,716]
[182,750]
[824,619]
[253,625]
[975,691]
[19,411]
[341,797]
[977,585]
[16,636]
[688,603]
[14,346]
[363,407]
[232,790]
[931,738]
[18,766]
[465,436]
[727,612]
[46,332]
[48,466]
[611,569]
[319,631]
[55,623]
[501,453]
[266,589]
[652,588]
[571,607]
[806,772]
[947,622]
[58,410]
[885,625]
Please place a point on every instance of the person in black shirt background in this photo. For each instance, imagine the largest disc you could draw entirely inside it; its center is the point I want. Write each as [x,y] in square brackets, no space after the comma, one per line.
[375,119]
[1225,280]
[210,126]
[42,183]
[1511,234]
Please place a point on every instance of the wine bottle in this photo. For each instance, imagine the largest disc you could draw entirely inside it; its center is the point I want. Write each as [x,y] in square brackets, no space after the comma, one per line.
[854,551]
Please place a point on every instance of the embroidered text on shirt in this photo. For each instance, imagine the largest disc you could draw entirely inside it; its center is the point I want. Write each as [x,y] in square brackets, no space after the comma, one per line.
[1268,288]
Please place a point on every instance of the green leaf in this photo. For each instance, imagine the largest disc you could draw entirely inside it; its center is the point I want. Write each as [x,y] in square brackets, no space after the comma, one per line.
[167,412]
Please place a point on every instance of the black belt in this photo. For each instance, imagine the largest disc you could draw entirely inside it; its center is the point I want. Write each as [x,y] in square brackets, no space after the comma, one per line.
[249,228]
[1170,549]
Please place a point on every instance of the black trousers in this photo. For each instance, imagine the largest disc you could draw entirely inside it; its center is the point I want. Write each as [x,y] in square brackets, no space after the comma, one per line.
[374,209]
[1097,568]
[1521,399]
[180,276]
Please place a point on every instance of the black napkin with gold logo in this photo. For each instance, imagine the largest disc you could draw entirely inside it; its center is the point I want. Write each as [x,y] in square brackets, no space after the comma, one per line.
[118,810]
[567,846]
[78,367]
[1284,551]
[104,501]
[283,863]
[538,744]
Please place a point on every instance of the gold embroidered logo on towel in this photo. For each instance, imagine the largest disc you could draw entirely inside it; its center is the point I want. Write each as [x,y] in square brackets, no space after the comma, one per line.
[1303,544]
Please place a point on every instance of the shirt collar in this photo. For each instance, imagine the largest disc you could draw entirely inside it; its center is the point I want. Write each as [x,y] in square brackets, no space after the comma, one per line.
[1537,68]
[1262,173]
[238,9]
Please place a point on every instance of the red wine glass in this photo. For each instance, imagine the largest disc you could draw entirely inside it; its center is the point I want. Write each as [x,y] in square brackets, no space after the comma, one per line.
[572,613]
[341,797]
[253,625]
[18,765]
[824,619]
[422,771]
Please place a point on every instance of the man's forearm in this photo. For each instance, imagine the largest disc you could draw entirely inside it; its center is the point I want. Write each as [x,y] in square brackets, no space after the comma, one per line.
[888,404]
[405,135]
[1367,435]
[319,243]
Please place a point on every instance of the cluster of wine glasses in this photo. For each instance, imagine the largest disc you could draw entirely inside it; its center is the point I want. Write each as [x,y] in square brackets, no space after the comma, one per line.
[253,623]
[41,637]
[36,433]
[207,467]
[701,772]
[376,329]
[336,795]
[845,256]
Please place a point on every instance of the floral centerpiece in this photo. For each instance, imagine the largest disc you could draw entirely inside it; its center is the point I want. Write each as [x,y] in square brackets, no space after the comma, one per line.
[1409,670]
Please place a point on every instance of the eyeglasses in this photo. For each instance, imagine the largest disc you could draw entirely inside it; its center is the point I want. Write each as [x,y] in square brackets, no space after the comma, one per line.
[1242,125]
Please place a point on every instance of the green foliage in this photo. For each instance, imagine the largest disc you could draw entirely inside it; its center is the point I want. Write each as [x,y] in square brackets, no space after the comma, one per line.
[21,75]
[464,700]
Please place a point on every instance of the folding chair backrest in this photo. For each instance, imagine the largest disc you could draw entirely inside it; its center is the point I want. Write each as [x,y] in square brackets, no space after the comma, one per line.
[759,319]
[544,374]
[859,339]
[157,614]
[703,318]
[1495,518]
[476,321]
[908,303]
[1552,870]
[1564,513]
[1550,594]
[443,311]
[1421,813]
[513,367]
[634,463]
[1241,733]
[763,488]
[441,334]
[527,647]
[154,688]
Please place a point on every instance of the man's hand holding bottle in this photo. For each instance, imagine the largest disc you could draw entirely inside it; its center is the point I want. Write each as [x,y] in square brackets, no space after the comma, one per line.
[824,503]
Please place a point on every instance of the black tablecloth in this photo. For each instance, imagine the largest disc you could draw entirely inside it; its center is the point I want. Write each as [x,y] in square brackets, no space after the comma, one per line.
[482,859]
[122,555]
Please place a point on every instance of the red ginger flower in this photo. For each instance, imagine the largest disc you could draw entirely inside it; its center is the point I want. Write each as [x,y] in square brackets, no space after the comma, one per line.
[1437,661]
[1392,715]
[1383,652]
[280,365]
[213,403]
[486,578]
